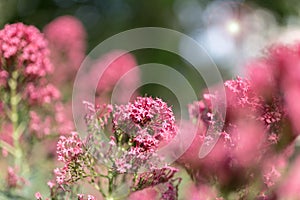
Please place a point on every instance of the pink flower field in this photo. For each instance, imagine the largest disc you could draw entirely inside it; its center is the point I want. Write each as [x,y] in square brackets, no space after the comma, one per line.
[217,119]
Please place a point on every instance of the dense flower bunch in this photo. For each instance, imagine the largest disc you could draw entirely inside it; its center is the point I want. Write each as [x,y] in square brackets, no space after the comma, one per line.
[145,114]
[135,132]
[258,137]
[24,47]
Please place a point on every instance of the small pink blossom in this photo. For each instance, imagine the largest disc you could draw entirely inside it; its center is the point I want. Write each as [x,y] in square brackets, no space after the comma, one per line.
[91,197]
[38,196]
[51,184]
[80,196]
[69,148]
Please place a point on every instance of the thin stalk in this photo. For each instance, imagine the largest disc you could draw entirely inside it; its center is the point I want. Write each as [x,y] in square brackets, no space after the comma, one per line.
[14,116]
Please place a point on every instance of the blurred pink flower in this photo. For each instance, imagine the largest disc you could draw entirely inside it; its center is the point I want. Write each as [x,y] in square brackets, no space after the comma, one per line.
[38,126]
[3,77]
[38,196]
[66,36]
[251,126]
[290,186]
[63,118]
[200,192]
[114,70]
[145,194]
[13,180]
[277,75]
[249,143]
[39,95]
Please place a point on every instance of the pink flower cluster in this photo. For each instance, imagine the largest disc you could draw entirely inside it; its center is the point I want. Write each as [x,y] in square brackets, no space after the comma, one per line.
[136,131]
[259,129]
[146,116]
[24,47]
[39,95]
[13,180]
[69,148]
[281,68]
[146,124]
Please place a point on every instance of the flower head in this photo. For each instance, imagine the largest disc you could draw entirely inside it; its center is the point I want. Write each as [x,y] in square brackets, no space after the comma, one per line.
[69,148]
[25,48]
[146,115]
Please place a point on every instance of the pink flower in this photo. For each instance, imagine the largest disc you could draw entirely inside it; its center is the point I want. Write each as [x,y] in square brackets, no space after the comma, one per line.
[69,148]
[38,196]
[66,36]
[91,197]
[13,180]
[114,70]
[41,94]
[148,193]
[171,192]
[61,174]
[146,113]
[51,184]
[63,118]
[240,94]
[80,196]
[200,192]
[290,186]
[277,76]
[39,127]
[27,46]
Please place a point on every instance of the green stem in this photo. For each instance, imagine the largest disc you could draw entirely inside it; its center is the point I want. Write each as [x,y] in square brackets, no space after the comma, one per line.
[10,149]
[14,101]
[110,182]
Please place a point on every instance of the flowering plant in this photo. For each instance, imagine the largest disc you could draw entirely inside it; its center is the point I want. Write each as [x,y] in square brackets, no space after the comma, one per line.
[27,100]
[118,155]
[121,163]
